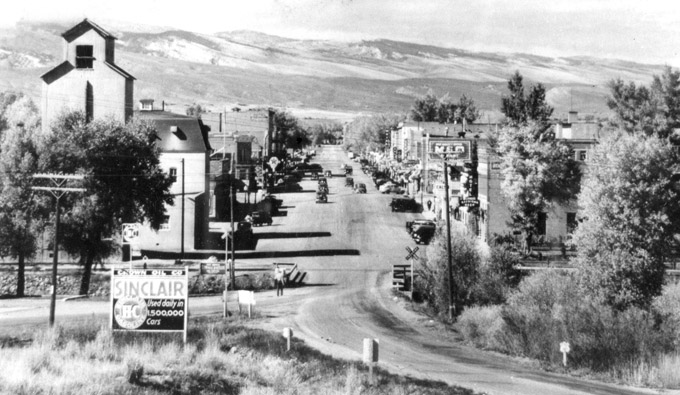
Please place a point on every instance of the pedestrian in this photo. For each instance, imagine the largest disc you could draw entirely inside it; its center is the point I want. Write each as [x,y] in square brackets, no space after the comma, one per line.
[279,277]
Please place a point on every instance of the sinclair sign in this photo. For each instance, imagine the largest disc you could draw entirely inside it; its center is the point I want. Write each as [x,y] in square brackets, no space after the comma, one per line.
[149,300]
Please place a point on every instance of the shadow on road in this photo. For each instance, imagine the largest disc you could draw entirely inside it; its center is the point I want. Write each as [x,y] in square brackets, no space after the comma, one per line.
[291,235]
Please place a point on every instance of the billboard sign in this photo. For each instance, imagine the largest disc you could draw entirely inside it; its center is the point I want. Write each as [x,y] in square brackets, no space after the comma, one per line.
[450,150]
[154,300]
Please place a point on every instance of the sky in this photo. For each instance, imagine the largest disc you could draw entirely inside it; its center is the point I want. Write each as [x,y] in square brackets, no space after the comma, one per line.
[642,31]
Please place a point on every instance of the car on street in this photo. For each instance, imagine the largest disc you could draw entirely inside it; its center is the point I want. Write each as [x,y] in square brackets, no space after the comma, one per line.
[360,188]
[403,204]
[390,187]
[349,182]
[261,218]
[323,181]
[322,188]
[328,174]
[321,197]
[421,230]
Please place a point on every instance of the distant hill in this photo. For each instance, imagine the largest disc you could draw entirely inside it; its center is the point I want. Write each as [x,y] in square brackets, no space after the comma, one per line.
[327,78]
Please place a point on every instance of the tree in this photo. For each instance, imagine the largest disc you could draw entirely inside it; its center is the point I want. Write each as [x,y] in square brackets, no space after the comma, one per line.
[289,130]
[653,111]
[195,110]
[466,110]
[22,210]
[433,279]
[123,179]
[426,109]
[537,171]
[6,100]
[370,132]
[629,216]
[520,109]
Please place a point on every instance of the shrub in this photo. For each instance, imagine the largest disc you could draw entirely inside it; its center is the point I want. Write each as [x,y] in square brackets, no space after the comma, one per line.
[497,277]
[433,278]
[482,326]
[549,307]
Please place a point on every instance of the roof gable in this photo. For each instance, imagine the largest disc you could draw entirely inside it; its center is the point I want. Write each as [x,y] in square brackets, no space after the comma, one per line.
[57,72]
[82,28]
[177,133]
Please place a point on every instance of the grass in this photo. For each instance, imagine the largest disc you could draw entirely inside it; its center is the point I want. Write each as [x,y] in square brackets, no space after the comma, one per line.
[220,357]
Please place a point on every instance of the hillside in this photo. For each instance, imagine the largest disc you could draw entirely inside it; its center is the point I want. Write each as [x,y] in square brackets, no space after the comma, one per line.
[250,68]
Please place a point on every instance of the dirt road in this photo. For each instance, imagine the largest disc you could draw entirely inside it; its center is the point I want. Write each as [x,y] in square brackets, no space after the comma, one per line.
[347,247]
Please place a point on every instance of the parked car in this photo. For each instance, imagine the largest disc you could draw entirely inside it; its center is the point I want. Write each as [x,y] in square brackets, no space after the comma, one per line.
[403,204]
[349,182]
[328,173]
[348,170]
[379,181]
[321,197]
[360,188]
[390,187]
[323,181]
[261,218]
[421,230]
[323,189]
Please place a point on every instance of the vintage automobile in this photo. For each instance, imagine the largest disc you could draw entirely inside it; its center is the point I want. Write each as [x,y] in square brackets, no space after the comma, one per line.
[328,174]
[390,187]
[322,189]
[321,197]
[360,188]
[323,181]
[261,218]
[349,182]
[403,204]
[348,170]
[421,230]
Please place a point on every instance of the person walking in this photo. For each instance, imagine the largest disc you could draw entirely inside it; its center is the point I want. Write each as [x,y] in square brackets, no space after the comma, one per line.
[280,277]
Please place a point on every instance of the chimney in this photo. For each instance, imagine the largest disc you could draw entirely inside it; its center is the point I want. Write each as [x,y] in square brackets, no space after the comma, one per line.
[572,117]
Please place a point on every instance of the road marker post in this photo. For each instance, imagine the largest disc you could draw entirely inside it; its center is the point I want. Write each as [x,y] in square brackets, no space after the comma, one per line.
[371,351]
[564,349]
[287,334]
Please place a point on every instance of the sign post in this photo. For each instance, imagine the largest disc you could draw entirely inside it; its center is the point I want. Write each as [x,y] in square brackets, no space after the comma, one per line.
[564,349]
[130,235]
[155,300]
[370,357]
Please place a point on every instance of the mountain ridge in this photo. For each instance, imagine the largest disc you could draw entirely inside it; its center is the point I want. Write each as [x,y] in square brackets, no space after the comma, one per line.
[368,76]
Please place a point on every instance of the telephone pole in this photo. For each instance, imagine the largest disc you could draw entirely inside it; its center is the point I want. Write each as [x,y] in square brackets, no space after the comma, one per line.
[57,190]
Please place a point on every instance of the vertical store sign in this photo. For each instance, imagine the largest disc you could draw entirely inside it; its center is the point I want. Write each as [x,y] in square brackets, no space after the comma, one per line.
[150,300]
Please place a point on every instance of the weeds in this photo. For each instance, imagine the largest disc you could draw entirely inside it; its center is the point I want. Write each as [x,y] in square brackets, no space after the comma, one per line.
[219,358]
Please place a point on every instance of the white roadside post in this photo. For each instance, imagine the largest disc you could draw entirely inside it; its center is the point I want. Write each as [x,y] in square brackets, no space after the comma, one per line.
[287,334]
[371,351]
[564,349]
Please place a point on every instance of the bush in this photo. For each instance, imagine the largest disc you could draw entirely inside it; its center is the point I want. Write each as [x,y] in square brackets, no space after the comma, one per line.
[497,277]
[482,326]
[433,278]
[549,307]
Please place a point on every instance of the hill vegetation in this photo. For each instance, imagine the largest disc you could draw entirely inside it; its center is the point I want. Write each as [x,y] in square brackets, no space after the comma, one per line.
[250,68]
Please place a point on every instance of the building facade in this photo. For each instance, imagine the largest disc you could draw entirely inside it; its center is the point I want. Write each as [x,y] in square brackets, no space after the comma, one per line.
[88,79]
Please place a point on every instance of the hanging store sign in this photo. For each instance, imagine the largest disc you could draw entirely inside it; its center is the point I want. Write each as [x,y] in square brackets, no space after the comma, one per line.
[149,300]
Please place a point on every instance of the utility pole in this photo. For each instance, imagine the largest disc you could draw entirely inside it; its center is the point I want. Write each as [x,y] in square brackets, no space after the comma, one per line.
[181,255]
[452,306]
[231,209]
[57,190]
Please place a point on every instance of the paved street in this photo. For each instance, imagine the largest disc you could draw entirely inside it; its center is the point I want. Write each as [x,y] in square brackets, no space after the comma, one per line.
[347,247]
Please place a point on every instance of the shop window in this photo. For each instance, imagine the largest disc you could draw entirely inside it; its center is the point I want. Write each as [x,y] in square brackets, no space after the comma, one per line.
[84,58]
